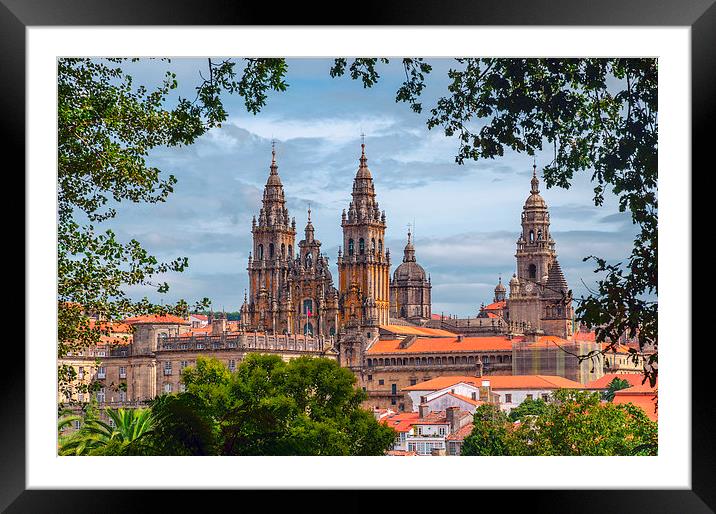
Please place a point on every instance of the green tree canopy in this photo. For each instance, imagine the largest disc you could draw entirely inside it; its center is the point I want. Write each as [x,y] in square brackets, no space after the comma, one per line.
[572,423]
[307,406]
[615,385]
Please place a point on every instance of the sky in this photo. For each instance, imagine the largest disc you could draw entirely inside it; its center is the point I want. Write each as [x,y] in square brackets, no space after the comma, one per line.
[466,217]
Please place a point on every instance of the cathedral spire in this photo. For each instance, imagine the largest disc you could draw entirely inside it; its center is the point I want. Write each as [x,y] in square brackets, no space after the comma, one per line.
[409,252]
[535,180]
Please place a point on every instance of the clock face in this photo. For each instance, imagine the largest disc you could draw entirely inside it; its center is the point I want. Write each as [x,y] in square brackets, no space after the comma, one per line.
[528,287]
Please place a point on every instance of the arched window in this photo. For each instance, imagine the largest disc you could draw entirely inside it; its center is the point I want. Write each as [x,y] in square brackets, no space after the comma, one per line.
[372,245]
[332,331]
[261,252]
[290,252]
[533,271]
[271,251]
[361,246]
[309,260]
[283,250]
[350,247]
[539,234]
[532,236]
[380,246]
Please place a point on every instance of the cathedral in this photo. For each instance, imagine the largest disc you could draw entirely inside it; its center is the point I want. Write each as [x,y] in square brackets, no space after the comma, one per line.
[288,294]
[291,289]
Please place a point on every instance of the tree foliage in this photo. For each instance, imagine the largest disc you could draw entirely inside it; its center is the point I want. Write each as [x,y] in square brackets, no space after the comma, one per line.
[572,423]
[596,115]
[307,406]
[614,386]
[107,125]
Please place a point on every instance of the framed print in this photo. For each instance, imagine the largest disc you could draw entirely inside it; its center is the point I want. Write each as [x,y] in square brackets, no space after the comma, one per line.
[337,168]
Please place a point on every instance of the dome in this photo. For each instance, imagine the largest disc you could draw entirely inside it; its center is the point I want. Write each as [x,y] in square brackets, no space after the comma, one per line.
[535,200]
[499,288]
[410,270]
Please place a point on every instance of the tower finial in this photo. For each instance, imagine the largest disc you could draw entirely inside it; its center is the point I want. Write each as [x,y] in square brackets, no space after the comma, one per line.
[309,212]
[535,180]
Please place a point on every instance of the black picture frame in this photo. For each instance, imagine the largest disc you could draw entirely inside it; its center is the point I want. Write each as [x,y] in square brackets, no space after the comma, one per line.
[17,15]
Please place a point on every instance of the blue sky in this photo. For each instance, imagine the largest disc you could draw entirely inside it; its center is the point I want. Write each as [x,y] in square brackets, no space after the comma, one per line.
[467,217]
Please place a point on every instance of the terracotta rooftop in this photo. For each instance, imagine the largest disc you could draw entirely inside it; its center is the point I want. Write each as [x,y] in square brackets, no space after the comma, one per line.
[156,318]
[418,331]
[643,396]
[498,382]
[444,344]
[461,433]
[603,382]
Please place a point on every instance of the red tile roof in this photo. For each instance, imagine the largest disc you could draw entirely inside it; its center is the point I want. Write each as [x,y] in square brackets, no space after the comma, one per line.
[496,306]
[401,422]
[202,317]
[461,433]
[156,318]
[419,331]
[603,382]
[643,396]
[444,344]
[498,382]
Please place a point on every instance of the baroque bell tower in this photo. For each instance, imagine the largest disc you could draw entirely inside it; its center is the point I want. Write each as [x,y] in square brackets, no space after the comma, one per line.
[364,262]
[539,296]
[273,245]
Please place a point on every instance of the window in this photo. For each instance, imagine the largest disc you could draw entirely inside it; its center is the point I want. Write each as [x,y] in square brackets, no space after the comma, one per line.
[393,401]
[100,395]
[474,396]
[361,246]
[290,252]
[393,389]
[122,372]
[370,378]
[381,382]
[350,247]
[442,430]
[182,387]
[271,251]
[372,245]
[283,250]
[101,353]
[261,252]
[81,373]
[380,246]
[532,236]
[111,423]
[533,271]
[77,424]
[122,396]
[401,407]
[413,381]
[167,368]
[529,397]
[199,346]
[545,396]
[80,397]
[167,388]
[101,372]
[308,307]
[232,365]
[508,398]
[182,365]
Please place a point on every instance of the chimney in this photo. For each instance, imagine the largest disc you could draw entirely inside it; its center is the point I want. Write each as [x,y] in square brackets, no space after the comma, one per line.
[452,418]
[218,326]
[423,410]
[460,337]
[485,391]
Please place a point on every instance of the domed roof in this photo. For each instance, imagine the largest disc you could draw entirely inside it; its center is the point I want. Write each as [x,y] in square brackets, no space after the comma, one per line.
[499,288]
[409,269]
[534,199]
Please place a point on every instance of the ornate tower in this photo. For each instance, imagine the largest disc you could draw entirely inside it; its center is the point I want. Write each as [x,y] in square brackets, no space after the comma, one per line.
[364,263]
[539,284]
[315,300]
[273,244]
[410,289]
